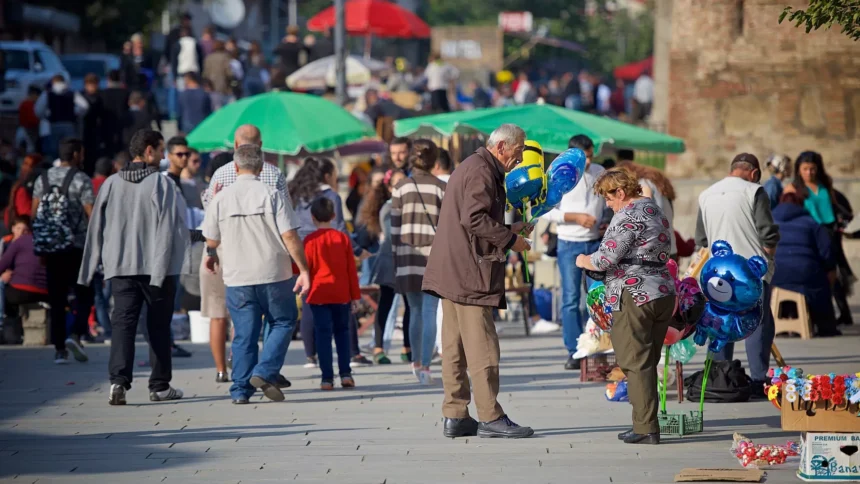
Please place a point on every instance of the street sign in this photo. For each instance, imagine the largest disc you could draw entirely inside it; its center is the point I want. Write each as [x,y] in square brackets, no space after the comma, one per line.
[516,21]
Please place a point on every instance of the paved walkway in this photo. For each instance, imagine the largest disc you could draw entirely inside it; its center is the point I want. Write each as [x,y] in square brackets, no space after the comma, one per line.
[56,425]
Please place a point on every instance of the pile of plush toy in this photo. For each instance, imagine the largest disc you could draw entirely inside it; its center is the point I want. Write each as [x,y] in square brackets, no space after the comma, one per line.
[835,391]
[754,455]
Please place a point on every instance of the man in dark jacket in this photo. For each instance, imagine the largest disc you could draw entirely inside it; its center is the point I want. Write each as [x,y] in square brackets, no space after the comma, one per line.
[466,269]
[114,111]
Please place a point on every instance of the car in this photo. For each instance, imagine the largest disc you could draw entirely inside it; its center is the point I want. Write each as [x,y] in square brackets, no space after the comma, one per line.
[28,63]
[79,65]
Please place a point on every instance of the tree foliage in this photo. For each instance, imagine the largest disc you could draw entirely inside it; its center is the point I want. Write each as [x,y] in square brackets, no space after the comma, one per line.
[826,13]
[111,20]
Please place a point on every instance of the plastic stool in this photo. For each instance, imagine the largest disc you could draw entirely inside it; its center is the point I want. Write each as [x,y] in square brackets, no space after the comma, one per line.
[800,324]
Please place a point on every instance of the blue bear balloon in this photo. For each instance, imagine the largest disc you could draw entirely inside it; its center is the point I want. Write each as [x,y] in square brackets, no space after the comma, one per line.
[563,175]
[733,288]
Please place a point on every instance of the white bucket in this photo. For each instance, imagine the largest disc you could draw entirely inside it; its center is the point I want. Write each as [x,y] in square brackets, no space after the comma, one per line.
[199,327]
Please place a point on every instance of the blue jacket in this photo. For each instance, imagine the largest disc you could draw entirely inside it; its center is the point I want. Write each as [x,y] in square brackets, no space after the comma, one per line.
[773,188]
[803,255]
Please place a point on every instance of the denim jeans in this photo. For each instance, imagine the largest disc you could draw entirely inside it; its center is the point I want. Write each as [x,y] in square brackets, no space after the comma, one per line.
[332,320]
[101,287]
[248,305]
[59,132]
[422,327]
[573,315]
[757,344]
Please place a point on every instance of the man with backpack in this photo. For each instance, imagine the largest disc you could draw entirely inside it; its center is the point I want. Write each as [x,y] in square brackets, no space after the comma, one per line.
[62,203]
[139,236]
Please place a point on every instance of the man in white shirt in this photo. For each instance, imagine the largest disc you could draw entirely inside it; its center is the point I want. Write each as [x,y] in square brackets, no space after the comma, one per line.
[440,75]
[256,227]
[643,95]
[578,219]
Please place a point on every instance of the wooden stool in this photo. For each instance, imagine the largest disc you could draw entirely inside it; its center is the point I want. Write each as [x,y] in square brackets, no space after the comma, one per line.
[34,320]
[801,324]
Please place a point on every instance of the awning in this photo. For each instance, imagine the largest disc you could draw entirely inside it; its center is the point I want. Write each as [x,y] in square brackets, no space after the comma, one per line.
[632,71]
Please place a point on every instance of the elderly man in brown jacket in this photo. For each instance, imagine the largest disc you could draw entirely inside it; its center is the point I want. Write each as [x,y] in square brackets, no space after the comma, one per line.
[466,269]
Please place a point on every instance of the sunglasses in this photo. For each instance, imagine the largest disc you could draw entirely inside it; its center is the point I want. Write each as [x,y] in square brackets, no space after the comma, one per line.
[182,154]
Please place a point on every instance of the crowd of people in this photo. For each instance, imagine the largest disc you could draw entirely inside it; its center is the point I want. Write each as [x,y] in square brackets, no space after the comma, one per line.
[147,237]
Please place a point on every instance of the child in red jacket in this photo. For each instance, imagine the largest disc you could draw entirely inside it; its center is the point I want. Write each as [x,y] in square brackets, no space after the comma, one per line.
[334,285]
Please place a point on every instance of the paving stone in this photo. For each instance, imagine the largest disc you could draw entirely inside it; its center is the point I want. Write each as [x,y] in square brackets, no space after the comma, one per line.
[388,430]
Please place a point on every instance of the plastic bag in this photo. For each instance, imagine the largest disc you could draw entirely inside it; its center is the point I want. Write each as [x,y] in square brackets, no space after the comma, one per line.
[683,351]
[617,392]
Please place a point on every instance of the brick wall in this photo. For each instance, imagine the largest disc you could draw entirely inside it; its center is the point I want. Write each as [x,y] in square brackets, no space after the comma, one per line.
[740,81]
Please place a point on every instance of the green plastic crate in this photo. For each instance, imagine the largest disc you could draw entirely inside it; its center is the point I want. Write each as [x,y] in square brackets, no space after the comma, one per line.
[681,424]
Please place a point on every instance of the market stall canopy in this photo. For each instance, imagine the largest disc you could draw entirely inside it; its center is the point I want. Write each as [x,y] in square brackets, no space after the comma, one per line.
[290,123]
[631,72]
[551,126]
[320,73]
[378,18]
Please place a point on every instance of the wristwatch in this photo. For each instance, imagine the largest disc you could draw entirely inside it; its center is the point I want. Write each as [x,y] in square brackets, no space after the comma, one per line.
[211,252]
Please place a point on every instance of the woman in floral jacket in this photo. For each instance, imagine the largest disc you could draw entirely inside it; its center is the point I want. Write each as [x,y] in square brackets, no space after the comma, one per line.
[640,290]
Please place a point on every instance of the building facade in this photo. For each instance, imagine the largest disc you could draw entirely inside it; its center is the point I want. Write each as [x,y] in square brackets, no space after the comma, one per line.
[731,79]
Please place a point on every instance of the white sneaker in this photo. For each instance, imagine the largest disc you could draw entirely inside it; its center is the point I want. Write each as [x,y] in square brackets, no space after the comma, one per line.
[312,363]
[545,327]
[77,350]
[425,377]
[163,396]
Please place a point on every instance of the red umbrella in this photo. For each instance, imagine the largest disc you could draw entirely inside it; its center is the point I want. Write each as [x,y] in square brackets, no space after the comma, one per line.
[378,18]
[632,71]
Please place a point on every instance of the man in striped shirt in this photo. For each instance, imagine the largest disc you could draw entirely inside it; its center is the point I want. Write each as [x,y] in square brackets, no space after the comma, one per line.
[213,292]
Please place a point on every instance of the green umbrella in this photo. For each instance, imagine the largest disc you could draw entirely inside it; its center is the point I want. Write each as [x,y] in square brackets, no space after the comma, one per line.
[551,126]
[289,122]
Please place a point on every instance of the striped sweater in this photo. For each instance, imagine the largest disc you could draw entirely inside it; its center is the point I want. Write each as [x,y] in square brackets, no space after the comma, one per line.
[413,226]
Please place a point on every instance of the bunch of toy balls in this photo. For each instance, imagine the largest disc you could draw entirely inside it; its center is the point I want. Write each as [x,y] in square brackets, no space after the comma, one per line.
[750,454]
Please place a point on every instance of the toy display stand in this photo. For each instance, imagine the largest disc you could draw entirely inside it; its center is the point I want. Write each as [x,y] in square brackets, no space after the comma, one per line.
[684,423]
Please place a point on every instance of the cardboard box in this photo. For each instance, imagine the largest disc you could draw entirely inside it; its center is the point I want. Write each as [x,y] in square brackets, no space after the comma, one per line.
[720,475]
[830,457]
[819,417]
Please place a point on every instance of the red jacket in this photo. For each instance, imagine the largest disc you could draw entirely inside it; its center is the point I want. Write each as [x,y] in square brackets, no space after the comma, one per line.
[331,264]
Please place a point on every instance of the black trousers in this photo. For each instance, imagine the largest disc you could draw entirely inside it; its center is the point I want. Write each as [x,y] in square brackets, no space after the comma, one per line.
[439,101]
[62,270]
[16,297]
[129,295]
[386,299]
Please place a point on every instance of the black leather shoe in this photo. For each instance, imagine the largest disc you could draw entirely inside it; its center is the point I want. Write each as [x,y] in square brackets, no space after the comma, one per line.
[240,401]
[624,435]
[572,364]
[282,382]
[649,439]
[460,427]
[503,428]
[269,389]
[221,377]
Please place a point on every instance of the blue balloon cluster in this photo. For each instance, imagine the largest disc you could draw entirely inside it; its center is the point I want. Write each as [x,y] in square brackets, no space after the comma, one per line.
[563,175]
[733,287]
[523,185]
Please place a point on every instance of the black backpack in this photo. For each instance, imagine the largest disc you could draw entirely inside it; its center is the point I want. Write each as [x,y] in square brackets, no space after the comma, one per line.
[53,229]
[727,383]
